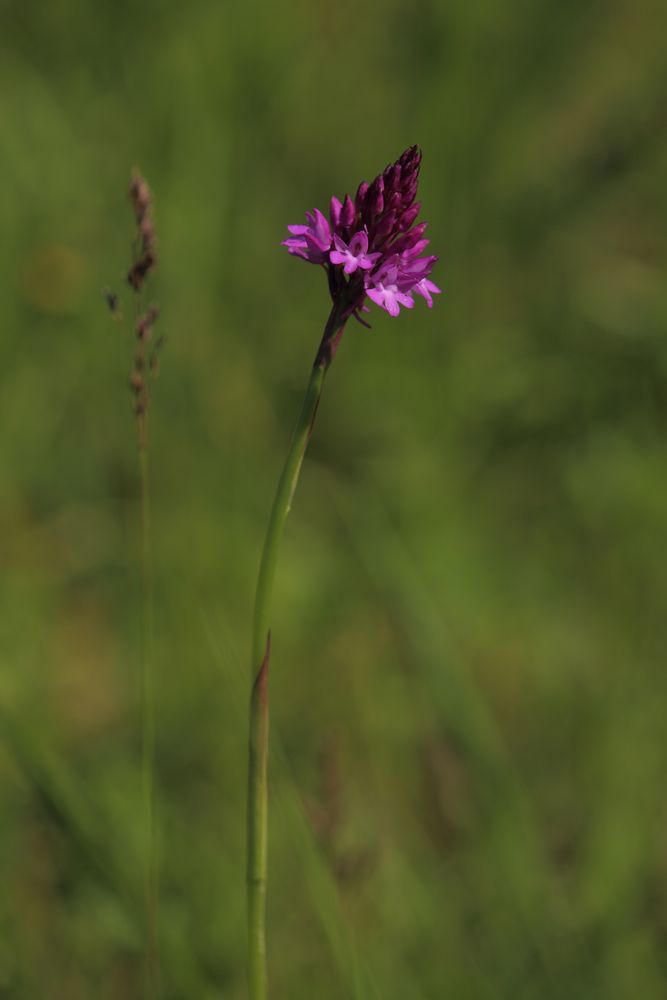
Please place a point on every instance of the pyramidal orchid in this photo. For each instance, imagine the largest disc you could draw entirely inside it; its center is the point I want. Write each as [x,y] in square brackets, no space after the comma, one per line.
[371,247]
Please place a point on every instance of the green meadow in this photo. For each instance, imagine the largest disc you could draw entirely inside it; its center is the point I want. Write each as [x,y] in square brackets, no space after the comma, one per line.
[468,689]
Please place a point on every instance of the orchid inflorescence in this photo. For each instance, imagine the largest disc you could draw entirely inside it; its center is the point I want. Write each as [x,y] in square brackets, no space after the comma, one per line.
[371,246]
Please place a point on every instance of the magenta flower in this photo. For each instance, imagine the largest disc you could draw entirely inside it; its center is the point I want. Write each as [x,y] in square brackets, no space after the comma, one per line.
[355,255]
[425,288]
[372,246]
[385,291]
[312,241]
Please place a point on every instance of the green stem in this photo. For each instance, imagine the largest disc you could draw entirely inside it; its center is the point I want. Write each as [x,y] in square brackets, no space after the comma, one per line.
[257,833]
[148,722]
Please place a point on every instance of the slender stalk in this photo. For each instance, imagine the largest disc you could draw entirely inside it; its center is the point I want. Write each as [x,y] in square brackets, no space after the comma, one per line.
[257,833]
[148,720]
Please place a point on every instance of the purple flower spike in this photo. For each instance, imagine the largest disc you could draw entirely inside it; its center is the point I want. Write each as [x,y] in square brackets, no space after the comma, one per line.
[355,255]
[373,247]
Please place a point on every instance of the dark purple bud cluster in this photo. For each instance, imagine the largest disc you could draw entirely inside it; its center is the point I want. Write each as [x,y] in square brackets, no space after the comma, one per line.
[387,208]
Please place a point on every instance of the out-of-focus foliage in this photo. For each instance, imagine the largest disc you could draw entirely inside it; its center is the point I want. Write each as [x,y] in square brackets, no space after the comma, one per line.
[468,683]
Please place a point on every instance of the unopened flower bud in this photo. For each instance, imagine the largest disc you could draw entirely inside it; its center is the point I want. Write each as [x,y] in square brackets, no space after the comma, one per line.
[360,199]
[348,213]
[409,217]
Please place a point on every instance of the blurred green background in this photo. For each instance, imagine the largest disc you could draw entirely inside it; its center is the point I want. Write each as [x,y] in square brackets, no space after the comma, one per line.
[468,686]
